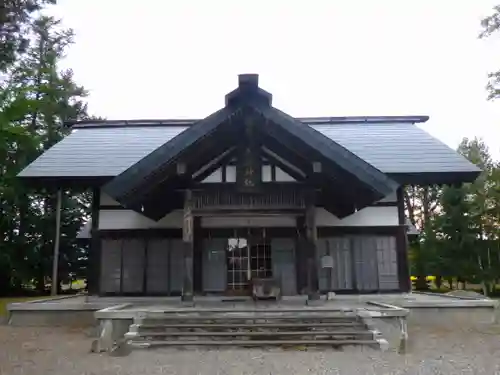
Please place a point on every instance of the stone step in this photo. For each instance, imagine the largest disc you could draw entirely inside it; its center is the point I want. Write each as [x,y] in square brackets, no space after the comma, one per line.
[297,342]
[170,319]
[272,325]
[252,310]
[332,334]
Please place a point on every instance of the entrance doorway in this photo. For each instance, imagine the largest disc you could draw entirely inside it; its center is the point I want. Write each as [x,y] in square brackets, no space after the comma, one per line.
[247,257]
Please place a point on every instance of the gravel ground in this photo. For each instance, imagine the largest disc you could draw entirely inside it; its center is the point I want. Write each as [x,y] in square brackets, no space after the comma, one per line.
[40,351]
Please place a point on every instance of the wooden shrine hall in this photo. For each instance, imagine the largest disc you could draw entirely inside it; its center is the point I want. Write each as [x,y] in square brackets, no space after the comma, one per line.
[248,200]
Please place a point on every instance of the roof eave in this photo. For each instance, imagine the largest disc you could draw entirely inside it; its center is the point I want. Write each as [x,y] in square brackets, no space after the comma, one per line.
[435,178]
[74,182]
[346,159]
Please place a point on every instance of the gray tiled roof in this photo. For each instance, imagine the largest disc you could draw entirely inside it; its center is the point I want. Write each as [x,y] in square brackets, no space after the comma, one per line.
[397,148]
[106,151]
[392,147]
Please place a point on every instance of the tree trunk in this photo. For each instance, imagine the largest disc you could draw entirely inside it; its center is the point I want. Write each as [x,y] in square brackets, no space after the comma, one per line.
[40,281]
[438,282]
[421,283]
[485,288]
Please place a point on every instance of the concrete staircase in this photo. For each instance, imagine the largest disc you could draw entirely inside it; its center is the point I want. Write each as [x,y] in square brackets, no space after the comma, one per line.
[251,328]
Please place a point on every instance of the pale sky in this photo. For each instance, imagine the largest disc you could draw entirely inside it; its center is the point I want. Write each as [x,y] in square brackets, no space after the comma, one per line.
[177,59]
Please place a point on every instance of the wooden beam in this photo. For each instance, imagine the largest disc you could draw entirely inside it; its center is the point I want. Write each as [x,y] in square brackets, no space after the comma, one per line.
[193,156]
[286,141]
[215,163]
[275,159]
[287,153]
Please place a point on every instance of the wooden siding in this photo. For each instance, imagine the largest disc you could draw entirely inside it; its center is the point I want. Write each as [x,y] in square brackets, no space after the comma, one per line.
[214,265]
[133,265]
[283,262]
[243,222]
[365,263]
[157,271]
[362,263]
[111,266]
[340,277]
[176,266]
[123,262]
[387,263]
[277,198]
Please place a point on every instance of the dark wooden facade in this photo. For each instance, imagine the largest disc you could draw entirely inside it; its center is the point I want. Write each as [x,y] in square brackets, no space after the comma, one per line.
[250,135]
[307,243]
[248,192]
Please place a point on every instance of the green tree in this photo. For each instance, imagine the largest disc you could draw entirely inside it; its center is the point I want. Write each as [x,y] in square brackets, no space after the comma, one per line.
[490,25]
[36,99]
[484,211]
[421,203]
[15,21]
[467,227]
[456,234]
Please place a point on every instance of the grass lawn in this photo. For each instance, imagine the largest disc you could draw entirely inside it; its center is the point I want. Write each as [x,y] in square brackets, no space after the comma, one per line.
[4,301]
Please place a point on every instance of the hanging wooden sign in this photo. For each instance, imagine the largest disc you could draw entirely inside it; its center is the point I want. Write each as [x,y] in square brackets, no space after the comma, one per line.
[249,169]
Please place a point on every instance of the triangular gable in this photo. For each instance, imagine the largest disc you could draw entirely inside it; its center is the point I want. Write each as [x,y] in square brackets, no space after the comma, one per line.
[331,150]
[205,140]
[123,185]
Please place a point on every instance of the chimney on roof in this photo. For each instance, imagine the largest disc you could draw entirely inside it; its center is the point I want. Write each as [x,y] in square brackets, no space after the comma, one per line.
[248,91]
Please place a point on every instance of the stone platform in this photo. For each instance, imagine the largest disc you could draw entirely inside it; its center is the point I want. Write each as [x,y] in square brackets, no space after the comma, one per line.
[389,314]
[87,310]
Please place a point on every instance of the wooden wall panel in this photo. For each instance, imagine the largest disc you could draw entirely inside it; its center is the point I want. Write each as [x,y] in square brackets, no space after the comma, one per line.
[387,263]
[365,263]
[176,266]
[133,257]
[340,276]
[158,272]
[111,265]
[214,265]
[283,262]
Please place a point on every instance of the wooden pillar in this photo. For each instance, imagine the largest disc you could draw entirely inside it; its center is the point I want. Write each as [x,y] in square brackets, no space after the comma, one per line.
[312,236]
[55,261]
[188,241]
[94,258]
[402,245]
[301,255]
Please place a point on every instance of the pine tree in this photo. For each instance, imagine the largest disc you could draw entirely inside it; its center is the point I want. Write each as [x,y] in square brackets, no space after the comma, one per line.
[37,99]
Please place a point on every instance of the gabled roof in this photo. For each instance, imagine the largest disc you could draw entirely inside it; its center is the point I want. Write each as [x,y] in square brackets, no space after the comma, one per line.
[249,105]
[401,149]
[97,151]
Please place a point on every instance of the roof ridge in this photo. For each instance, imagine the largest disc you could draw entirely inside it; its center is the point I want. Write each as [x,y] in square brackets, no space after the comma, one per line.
[308,120]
